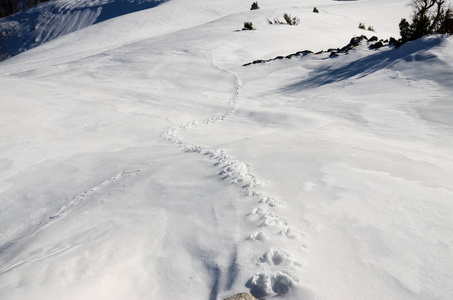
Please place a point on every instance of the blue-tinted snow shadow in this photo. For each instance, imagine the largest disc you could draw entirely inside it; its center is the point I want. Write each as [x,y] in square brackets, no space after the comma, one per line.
[411,51]
[25,30]
[119,8]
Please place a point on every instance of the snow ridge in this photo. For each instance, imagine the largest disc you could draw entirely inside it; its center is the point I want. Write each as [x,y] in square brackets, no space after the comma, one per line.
[278,275]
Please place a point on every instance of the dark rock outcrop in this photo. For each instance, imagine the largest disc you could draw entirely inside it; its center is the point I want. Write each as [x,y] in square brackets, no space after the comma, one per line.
[334,52]
[376,45]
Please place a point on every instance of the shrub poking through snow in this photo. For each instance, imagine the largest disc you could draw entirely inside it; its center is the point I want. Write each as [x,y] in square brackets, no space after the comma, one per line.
[362,26]
[288,20]
[254,6]
[248,26]
[276,21]
[315,10]
[370,28]
[291,21]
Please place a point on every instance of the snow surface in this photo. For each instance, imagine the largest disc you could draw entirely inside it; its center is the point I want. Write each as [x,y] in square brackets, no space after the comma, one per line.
[140,160]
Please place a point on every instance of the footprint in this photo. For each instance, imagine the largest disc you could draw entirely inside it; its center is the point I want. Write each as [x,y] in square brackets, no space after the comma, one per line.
[266,284]
[258,211]
[281,283]
[291,233]
[254,194]
[270,201]
[268,218]
[253,183]
[275,256]
[257,236]
[91,194]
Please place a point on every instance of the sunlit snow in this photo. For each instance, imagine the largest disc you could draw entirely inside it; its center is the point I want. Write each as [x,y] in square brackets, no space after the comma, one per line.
[139,158]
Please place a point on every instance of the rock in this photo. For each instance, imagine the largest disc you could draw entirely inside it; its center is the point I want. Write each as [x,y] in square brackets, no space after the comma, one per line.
[376,45]
[241,296]
[373,38]
[305,52]
[346,48]
[398,42]
[260,61]
[354,41]
[393,41]
[333,54]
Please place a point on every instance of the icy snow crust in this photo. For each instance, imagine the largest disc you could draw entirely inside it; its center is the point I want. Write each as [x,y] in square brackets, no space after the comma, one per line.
[140,160]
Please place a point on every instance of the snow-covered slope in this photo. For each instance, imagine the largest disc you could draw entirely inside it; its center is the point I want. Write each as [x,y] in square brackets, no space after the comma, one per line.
[139,158]
[41,24]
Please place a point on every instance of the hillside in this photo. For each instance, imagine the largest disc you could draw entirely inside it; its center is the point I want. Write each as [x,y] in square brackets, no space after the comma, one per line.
[140,158]
[47,21]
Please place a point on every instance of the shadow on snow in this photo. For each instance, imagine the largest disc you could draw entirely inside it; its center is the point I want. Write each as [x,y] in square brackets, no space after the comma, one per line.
[37,25]
[416,51]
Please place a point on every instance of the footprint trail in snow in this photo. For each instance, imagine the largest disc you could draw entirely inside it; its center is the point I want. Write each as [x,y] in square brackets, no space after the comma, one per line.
[88,198]
[275,269]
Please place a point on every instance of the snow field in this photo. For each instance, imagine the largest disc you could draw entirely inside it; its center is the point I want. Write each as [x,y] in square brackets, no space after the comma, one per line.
[310,178]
